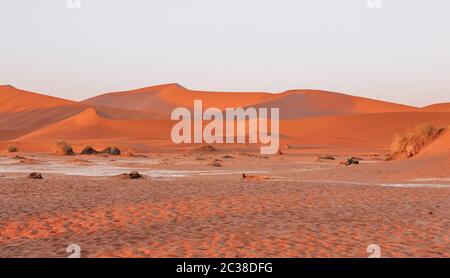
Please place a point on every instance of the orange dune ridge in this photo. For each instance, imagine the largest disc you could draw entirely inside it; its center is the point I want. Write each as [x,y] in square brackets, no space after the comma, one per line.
[15,100]
[370,130]
[22,112]
[164,98]
[142,116]
[293,104]
[88,125]
[439,107]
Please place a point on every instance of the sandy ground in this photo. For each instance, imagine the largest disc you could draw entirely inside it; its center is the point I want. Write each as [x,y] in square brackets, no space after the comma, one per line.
[289,205]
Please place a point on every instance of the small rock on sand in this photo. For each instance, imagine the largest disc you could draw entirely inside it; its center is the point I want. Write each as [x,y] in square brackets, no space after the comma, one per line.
[35,176]
[351,161]
[131,176]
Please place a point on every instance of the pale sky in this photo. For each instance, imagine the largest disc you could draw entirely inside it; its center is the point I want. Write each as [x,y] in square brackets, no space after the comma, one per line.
[399,52]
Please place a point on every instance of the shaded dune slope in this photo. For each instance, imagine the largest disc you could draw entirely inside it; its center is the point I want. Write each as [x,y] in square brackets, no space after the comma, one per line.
[88,125]
[293,104]
[441,146]
[371,130]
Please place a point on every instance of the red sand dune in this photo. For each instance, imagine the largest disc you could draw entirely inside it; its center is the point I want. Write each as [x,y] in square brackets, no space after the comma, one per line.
[293,104]
[368,130]
[144,100]
[164,98]
[439,107]
[220,100]
[299,104]
[350,131]
[88,125]
[309,117]
[22,112]
[14,100]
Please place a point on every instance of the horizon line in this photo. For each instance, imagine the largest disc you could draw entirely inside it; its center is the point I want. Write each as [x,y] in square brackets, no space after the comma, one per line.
[223,92]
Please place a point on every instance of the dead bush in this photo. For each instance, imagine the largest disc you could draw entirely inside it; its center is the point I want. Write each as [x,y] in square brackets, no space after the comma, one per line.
[410,143]
[13,149]
[111,150]
[63,148]
[88,150]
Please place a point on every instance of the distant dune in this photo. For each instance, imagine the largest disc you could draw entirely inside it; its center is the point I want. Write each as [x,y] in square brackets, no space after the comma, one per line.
[362,130]
[22,112]
[308,117]
[293,104]
[440,107]
[89,126]
[15,100]
[312,103]
[164,98]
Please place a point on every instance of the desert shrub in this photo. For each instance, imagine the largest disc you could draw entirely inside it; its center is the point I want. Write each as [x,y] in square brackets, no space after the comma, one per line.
[35,176]
[63,148]
[111,150]
[13,149]
[135,175]
[88,150]
[413,141]
[131,176]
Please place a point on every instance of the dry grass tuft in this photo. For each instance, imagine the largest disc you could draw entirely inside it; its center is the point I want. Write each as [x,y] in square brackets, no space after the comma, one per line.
[13,149]
[63,148]
[111,150]
[409,144]
[88,150]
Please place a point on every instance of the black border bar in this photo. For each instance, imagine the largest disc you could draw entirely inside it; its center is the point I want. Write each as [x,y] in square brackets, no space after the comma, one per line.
[222,267]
